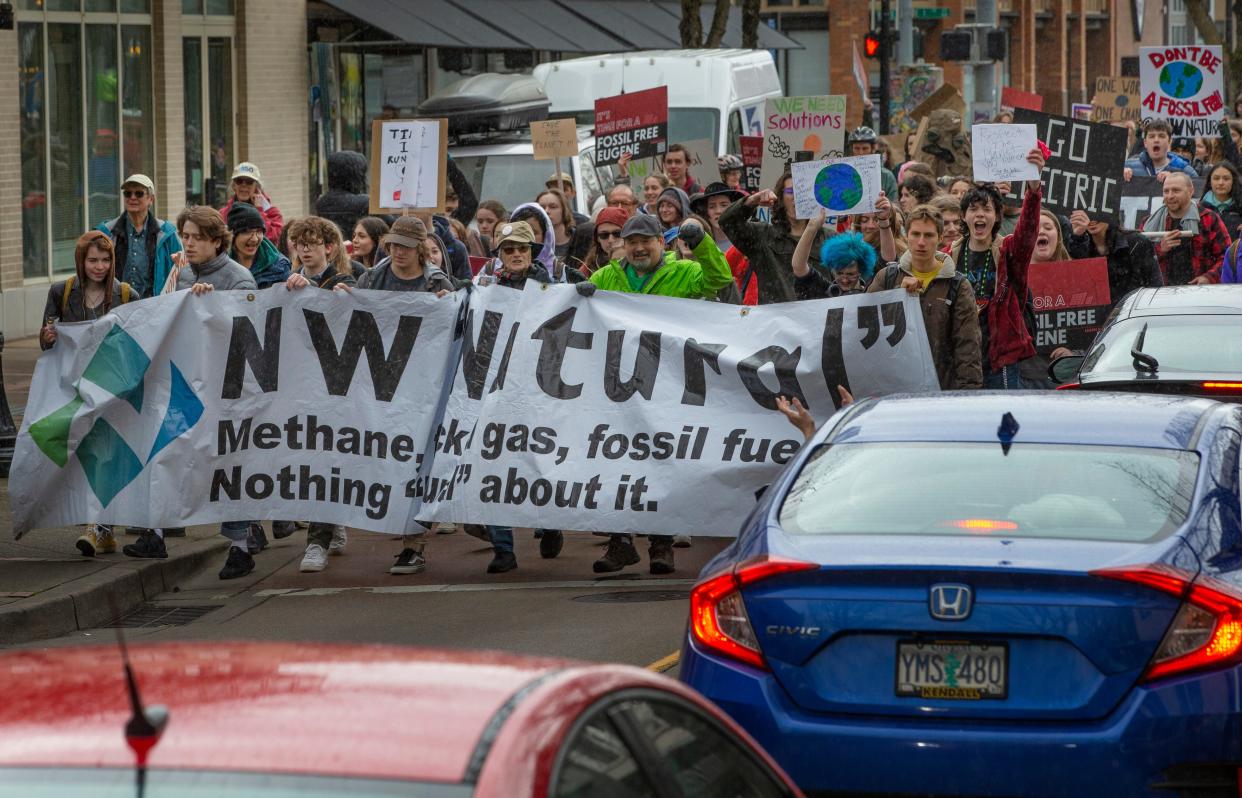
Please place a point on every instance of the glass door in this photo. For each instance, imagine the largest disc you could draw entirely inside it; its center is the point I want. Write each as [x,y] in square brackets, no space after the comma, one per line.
[209,122]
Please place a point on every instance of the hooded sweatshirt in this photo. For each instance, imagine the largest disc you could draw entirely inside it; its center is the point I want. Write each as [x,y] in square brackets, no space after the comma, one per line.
[346,200]
[678,197]
[382,278]
[547,253]
[221,272]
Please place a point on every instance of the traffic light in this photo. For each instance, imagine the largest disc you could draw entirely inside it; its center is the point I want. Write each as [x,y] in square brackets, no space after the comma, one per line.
[955,45]
[995,44]
[871,44]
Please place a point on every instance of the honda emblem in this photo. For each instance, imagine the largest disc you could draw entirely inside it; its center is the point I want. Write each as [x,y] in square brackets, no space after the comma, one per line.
[949,602]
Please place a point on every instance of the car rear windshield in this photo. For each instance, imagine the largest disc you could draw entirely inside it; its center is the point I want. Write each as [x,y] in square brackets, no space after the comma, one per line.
[120,783]
[1210,344]
[1036,490]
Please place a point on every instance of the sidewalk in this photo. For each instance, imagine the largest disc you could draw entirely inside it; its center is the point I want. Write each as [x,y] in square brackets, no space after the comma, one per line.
[47,588]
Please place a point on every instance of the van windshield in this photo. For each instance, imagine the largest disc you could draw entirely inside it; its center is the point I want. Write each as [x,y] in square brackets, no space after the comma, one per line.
[512,179]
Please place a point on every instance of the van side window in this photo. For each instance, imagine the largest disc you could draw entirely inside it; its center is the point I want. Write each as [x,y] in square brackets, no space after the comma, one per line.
[735,132]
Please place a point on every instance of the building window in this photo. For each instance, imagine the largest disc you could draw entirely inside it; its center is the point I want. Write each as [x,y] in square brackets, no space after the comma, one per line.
[85,110]
[209,123]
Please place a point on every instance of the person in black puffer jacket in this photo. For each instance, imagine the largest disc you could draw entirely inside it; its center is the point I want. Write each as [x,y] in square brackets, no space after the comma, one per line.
[346,200]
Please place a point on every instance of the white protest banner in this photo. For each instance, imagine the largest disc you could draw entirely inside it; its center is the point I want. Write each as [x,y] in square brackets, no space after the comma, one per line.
[1184,85]
[841,185]
[409,164]
[800,129]
[999,153]
[618,412]
[236,405]
[638,413]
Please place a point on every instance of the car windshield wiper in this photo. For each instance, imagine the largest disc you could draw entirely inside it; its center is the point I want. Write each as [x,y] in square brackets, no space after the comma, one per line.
[1143,362]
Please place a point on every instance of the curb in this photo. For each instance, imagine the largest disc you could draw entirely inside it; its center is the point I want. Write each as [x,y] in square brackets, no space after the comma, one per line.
[83,603]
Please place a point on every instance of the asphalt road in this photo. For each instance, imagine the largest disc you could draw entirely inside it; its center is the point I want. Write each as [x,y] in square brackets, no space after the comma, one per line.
[547,607]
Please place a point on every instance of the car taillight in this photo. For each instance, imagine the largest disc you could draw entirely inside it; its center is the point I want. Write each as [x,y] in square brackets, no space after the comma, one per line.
[1222,386]
[979,524]
[1069,386]
[718,618]
[1207,630]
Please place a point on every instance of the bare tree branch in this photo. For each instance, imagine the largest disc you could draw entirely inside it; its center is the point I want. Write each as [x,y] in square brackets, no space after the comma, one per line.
[719,20]
[1203,22]
[691,27]
[750,24]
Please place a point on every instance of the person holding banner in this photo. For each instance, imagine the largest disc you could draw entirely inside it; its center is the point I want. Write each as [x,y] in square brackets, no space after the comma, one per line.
[1131,257]
[1157,159]
[644,270]
[252,249]
[1195,238]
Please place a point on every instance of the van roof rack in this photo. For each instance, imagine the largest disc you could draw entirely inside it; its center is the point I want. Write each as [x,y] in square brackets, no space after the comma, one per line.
[487,103]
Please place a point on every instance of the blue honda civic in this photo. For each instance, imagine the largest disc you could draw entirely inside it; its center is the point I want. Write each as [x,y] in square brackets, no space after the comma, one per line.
[995,593]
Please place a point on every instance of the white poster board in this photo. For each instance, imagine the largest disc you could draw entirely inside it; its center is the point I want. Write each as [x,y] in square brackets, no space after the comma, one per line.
[409,164]
[1184,85]
[1000,151]
[841,185]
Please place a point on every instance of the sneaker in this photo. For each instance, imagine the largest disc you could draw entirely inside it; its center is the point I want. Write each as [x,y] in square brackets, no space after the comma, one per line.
[256,538]
[88,543]
[315,559]
[149,546]
[339,539]
[620,553]
[681,541]
[445,528]
[551,543]
[660,552]
[106,540]
[502,561]
[283,529]
[238,564]
[409,561]
[478,531]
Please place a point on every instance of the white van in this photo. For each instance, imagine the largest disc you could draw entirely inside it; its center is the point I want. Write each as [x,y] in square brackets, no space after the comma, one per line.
[712,94]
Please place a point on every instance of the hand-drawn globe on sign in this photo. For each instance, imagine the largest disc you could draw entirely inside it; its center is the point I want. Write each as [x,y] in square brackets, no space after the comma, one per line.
[1180,80]
[838,187]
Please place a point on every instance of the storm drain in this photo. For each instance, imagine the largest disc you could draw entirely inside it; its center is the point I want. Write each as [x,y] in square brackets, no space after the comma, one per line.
[162,615]
[634,596]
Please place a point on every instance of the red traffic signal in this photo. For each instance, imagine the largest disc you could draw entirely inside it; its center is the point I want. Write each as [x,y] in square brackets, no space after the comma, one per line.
[871,44]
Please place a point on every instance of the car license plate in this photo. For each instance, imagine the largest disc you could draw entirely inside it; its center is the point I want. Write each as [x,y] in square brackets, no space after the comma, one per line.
[955,670]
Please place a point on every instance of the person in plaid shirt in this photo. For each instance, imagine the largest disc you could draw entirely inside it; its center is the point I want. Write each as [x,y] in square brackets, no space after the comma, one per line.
[1189,259]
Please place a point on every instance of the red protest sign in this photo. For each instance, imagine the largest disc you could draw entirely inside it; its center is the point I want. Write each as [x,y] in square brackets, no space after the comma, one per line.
[1016,98]
[636,123]
[752,160]
[1071,301]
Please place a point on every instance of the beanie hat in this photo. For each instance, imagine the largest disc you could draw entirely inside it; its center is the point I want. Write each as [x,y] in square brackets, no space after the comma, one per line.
[242,217]
[611,215]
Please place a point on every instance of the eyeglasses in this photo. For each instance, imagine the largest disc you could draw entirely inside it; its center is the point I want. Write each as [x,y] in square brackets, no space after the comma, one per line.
[604,235]
[307,243]
[243,181]
[252,233]
[134,193]
[621,203]
[513,249]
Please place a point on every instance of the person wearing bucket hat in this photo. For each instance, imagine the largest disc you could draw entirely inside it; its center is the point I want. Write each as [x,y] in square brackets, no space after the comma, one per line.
[711,205]
[642,268]
[247,186]
[252,249]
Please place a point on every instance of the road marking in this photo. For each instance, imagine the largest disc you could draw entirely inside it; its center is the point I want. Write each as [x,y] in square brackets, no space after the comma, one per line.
[476,588]
[665,663]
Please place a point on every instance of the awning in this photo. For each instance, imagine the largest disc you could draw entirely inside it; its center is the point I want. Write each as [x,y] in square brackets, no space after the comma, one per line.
[565,26]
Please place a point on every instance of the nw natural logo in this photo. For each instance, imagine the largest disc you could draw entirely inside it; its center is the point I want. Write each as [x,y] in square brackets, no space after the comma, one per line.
[118,367]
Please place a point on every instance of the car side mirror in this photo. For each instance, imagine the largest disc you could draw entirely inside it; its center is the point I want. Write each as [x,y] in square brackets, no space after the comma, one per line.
[1064,369]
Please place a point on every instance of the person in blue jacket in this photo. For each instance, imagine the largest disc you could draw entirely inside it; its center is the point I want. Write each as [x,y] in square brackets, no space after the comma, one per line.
[144,243]
[1156,157]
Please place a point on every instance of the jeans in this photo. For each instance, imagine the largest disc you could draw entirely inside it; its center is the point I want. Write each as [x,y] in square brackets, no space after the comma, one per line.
[235,530]
[502,537]
[1008,379]
[320,533]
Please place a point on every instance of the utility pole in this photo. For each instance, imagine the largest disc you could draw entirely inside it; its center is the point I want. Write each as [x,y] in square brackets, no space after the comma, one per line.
[886,56]
[905,41]
[985,74]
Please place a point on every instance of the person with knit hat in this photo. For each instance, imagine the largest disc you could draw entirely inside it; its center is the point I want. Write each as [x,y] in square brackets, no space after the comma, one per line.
[605,238]
[247,187]
[252,249]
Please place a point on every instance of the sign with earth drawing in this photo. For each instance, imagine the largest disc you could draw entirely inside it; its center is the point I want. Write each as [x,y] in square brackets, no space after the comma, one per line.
[843,186]
[1184,85]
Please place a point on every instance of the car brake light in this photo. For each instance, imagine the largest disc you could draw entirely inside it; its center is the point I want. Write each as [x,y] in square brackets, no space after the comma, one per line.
[1222,386]
[979,524]
[718,618]
[1069,386]
[1207,630]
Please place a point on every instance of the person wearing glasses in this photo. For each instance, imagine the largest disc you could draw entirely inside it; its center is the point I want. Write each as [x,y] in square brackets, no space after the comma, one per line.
[623,197]
[606,242]
[145,244]
[247,187]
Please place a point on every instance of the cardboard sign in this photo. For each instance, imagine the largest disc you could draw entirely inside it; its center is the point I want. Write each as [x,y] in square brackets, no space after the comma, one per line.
[1085,169]
[1142,195]
[554,138]
[752,161]
[409,164]
[636,123]
[1116,100]
[1016,98]
[800,129]
[843,186]
[1184,85]
[1071,301]
[944,97]
[999,153]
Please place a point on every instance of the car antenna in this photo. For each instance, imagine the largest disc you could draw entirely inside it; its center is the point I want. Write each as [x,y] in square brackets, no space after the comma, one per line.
[145,725]
[1143,362]
[1007,431]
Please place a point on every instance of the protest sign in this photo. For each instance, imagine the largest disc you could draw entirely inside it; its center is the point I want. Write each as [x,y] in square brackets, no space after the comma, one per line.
[615,413]
[946,96]
[1142,195]
[1071,300]
[752,162]
[1016,98]
[800,129]
[409,163]
[841,185]
[636,123]
[1084,171]
[999,153]
[700,162]
[1184,85]
[1116,100]
[1081,111]
[554,138]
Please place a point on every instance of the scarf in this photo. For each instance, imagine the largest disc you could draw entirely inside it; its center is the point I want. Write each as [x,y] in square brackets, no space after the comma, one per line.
[1190,221]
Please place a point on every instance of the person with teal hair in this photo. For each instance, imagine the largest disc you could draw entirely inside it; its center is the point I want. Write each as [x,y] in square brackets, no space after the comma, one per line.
[848,263]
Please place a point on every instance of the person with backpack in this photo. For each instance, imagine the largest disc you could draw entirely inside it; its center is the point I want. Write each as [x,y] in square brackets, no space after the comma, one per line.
[88,294]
